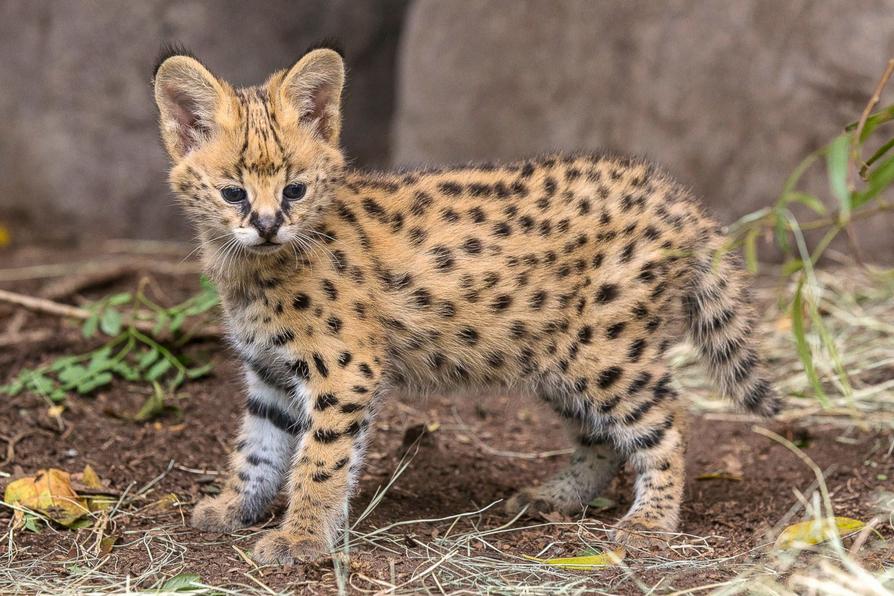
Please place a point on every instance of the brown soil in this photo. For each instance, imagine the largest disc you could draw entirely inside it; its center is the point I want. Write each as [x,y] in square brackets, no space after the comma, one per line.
[450,473]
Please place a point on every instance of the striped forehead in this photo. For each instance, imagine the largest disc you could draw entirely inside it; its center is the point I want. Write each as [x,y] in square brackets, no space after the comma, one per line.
[262,151]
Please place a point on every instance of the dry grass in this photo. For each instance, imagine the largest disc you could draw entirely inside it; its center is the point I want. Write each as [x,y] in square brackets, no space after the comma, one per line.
[467,558]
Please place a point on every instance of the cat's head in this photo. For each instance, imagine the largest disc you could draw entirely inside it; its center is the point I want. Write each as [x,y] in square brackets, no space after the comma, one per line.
[254,168]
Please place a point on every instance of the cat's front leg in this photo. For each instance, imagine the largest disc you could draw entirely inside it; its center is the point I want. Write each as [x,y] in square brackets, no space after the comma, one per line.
[325,464]
[271,428]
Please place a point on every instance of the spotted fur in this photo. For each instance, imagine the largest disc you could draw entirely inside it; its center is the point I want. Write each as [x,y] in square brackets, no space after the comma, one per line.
[566,277]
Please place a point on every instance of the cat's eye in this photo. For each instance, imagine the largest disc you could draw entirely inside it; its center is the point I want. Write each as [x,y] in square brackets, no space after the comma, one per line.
[233,194]
[293,192]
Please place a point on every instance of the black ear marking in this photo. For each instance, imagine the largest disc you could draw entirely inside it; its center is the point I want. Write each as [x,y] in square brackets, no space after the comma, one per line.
[169,50]
[327,43]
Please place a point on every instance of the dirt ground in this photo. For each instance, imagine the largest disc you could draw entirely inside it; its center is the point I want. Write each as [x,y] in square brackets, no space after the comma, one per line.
[479,452]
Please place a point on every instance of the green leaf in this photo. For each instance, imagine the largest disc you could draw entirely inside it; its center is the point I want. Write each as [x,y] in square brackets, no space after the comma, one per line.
[601,504]
[836,163]
[875,120]
[880,178]
[41,384]
[155,405]
[98,380]
[781,232]
[119,299]
[100,360]
[804,352]
[184,582]
[751,249]
[15,386]
[160,323]
[33,523]
[88,329]
[879,153]
[64,362]
[148,358]
[199,371]
[177,321]
[110,323]
[792,266]
[158,369]
[127,372]
[807,200]
[73,374]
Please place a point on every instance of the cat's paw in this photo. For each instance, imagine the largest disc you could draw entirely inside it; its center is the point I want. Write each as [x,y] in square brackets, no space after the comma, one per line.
[539,500]
[641,534]
[223,513]
[280,547]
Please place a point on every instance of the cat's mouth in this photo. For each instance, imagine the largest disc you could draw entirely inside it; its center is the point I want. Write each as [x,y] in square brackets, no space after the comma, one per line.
[265,247]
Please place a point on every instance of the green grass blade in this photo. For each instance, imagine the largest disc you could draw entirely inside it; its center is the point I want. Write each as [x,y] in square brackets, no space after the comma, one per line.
[804,351]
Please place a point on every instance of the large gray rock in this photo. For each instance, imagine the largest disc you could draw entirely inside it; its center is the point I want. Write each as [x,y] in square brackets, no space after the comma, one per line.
[729,95]
[79,150]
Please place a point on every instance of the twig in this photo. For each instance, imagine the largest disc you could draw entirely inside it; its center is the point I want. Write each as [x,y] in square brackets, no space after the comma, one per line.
[80,281]
[873,101]
[50,307]
[90,267]
[11,446]
[26,337]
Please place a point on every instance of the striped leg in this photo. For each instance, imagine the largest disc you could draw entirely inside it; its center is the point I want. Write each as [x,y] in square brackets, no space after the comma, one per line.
[323,472]
[273,423]
[657,449]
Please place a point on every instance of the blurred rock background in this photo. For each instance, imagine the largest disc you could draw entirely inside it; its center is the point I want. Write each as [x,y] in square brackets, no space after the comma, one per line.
[730,96]
[80,156]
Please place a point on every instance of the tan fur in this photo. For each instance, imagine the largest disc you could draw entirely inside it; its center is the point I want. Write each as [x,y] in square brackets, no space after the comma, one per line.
[566,277]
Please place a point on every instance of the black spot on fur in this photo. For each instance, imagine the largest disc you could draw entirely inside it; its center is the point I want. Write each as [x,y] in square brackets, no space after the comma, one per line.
[320,364]
[609,377]
[606,293]
[330,290]
[468,335]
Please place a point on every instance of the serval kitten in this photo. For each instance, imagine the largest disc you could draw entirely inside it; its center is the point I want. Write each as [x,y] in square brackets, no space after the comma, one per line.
[565,277]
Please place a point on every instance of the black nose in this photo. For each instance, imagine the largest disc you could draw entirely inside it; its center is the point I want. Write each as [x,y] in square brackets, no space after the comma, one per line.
[266,225]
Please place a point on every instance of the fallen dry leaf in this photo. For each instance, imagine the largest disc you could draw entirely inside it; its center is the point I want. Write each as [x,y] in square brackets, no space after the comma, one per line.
[815,531]
[50,493]
[586,562]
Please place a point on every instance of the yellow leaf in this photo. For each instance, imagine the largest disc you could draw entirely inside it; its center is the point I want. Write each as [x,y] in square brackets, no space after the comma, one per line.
[432,426]
[49,492]
[90,478]
[55,411]
[169,501]
[584,563]
[106,544]
[5,236]
[808,533]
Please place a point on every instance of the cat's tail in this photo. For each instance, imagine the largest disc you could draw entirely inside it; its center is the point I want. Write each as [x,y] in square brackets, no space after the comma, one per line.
[721,325]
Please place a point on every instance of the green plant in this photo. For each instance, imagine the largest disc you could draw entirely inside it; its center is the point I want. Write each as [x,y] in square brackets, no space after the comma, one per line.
[857,186]
[143,346]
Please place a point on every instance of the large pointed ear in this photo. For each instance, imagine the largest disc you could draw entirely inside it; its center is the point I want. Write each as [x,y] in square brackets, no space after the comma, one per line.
[188,97]
[313,89]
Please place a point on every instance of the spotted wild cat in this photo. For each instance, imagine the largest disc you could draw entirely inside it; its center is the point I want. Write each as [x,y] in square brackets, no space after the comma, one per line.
[565,277]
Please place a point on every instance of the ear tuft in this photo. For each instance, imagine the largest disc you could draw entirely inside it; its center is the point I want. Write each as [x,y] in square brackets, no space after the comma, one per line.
[328,43]
[169,50]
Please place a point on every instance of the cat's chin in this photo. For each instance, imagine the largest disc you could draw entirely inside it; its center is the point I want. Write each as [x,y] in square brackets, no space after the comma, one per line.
[267,248]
